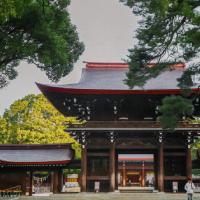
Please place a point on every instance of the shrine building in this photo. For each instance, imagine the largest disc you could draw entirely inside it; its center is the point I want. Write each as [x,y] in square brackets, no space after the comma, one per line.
[123,144]
[22,164]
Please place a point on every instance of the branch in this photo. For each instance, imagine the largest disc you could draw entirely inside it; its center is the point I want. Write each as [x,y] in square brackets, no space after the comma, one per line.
[168,43]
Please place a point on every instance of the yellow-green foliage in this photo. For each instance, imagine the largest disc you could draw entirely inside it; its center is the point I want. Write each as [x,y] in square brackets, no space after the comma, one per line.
[33,120]
[194,120]
[3,131]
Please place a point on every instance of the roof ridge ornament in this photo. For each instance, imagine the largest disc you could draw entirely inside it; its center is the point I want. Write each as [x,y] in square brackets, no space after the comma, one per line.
[121,65]
[106,65]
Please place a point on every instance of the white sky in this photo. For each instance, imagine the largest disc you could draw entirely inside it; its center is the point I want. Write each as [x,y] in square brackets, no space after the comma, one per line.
[105,26]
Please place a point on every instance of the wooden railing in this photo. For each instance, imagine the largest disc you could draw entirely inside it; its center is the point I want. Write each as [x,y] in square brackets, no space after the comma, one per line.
[130,124]
[11,193]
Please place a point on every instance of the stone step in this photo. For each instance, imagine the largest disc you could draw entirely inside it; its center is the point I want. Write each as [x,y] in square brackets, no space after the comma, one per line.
[136,189]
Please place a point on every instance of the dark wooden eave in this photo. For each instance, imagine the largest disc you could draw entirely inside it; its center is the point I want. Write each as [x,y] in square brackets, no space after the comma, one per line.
[132,129]
[130,126]
[45,89]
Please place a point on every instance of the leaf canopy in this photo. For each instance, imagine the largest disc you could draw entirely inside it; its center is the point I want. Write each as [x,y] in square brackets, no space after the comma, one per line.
[168,32]
[33,120]
[39,32]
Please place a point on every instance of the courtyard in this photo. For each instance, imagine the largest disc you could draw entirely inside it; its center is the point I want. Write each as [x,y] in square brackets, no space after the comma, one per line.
[114,196]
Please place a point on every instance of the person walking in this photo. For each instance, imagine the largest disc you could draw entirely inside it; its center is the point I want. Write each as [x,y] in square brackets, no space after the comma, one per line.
[189,188]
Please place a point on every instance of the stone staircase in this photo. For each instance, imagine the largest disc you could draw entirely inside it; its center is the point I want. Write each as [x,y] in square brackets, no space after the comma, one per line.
[136,189]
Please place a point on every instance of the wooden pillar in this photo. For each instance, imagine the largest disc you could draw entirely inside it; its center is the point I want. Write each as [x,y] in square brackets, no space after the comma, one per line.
[189,156]
[23,187]
[55,182]
[31,183]
[124,174]
[60,180]
[84,169]
[116,172]
[52,178]
[112,167]
[143,175]
[161,168]
[188,162]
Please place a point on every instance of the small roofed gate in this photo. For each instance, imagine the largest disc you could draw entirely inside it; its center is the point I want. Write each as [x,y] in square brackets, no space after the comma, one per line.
[20,163]
[123,146]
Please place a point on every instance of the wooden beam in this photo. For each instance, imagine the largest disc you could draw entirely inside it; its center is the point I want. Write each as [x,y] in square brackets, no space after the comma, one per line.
[175,178]
[161,168]
[112,167]
[129,124]
[139,147]
[96,154]
[175,154]
[132,129]
[136,168]
[98,178]
[84,169]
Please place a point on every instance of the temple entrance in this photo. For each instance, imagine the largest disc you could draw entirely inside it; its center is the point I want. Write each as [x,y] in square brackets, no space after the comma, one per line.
[136,170]
[42,182]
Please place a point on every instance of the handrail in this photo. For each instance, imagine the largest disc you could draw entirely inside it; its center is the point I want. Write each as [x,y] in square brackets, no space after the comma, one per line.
[14,188]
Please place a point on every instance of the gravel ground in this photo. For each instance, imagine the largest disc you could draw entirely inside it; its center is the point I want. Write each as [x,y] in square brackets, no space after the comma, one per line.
[114,196]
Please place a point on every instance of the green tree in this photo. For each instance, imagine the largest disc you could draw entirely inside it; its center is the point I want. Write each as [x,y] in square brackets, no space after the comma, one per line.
[40,32]
[168,33]
[173,109]
[4,133]
[33,120]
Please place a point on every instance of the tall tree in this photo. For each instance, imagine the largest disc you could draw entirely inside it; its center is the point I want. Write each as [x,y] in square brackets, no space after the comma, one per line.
[33,120]
[40,32]
[168,33]
[4,133]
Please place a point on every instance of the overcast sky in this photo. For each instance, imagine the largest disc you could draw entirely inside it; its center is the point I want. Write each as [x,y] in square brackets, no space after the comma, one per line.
[107,29]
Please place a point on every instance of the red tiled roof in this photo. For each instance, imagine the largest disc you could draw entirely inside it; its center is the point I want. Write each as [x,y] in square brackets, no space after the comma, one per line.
[108,78]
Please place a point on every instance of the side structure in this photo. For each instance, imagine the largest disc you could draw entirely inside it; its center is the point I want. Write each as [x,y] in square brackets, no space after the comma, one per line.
[20,162]
[123,145]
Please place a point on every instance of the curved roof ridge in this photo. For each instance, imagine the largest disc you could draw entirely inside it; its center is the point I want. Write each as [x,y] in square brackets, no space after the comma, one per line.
[106,65]
[123,65]
[108,78]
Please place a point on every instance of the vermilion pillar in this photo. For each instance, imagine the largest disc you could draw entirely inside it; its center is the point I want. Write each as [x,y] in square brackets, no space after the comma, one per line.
[124,174]
[143,175]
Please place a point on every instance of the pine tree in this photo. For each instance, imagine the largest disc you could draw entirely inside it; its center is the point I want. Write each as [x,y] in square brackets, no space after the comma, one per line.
[168,33]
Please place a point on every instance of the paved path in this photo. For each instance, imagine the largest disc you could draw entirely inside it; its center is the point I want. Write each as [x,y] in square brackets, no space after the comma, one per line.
[114,196]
